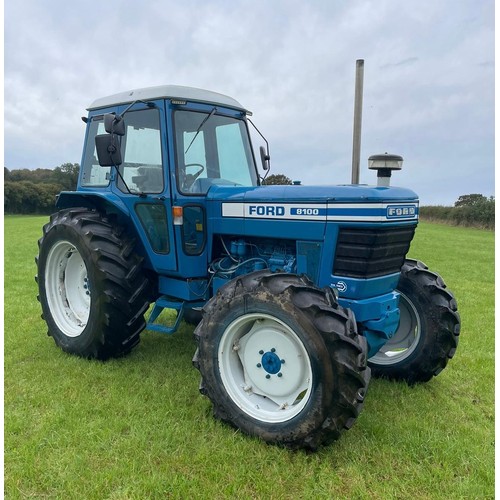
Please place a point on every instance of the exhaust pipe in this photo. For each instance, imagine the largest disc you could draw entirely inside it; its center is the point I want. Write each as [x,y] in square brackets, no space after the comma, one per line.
[358,109]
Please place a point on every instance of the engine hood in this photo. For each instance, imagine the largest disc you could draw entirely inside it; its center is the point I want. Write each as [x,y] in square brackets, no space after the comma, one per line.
[348,193]
[292,204]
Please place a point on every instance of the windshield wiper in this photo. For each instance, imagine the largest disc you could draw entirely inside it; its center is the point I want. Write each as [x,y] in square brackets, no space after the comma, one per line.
[199,128]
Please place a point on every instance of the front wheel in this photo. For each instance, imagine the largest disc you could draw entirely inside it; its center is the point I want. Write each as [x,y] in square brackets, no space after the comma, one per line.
[427,336]
[280,360]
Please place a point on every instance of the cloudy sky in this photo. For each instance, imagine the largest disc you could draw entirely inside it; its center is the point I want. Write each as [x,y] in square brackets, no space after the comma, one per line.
[428,80]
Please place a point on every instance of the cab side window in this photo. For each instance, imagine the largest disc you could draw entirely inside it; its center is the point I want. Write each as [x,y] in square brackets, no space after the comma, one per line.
[141,152]
[92,173]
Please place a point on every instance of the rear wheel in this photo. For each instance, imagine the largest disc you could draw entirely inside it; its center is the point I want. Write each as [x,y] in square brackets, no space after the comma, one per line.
[92,289]
[427,336]
[280,360]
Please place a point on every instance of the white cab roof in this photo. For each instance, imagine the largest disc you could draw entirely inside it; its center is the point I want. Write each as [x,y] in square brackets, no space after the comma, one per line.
[166,92]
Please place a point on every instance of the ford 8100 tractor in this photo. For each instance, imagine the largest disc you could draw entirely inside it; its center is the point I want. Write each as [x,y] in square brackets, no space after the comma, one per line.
[299,293]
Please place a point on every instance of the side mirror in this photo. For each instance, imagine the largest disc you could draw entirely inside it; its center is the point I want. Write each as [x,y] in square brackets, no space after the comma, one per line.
[108,150]
[265,158]
[114,124]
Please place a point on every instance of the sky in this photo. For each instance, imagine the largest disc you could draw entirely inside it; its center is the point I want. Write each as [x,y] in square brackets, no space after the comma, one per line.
[428,79]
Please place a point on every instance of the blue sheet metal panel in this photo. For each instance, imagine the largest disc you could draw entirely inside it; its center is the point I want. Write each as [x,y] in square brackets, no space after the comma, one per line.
[335,212]
[214,204]
[268,220]
[228,193]
[227,226]
[264,203]
[309,258]
[189,266]
[313,194]
[327,255]
[372,308]
[232,215]
[350,288]
[379,315]
[90,197]
[190,290]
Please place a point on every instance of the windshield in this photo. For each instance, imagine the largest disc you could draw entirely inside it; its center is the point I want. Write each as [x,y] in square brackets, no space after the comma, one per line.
[212,149]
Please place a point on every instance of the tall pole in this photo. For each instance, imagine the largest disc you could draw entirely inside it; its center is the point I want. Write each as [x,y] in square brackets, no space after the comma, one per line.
[358,109]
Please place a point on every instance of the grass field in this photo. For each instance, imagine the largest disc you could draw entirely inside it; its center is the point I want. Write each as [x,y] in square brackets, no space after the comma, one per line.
[138,428]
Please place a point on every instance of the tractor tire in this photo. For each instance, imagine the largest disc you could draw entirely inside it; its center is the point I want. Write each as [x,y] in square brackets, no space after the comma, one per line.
[281,360]
[92,289]
[427,336]
[192,316]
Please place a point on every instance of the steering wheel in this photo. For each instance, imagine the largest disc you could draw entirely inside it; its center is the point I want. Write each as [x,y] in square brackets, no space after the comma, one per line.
[190,178]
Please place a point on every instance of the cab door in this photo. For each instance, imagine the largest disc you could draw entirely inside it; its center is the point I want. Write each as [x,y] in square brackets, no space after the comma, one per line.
[211,147]
[143,183]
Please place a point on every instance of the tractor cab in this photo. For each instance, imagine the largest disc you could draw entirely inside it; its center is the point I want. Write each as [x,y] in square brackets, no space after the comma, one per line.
[151,155]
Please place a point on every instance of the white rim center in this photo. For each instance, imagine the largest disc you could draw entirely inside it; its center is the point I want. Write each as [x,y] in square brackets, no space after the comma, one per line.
[265,368]
[67,288]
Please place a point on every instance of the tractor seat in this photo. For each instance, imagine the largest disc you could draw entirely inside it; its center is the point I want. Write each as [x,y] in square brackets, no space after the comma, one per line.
[149,180]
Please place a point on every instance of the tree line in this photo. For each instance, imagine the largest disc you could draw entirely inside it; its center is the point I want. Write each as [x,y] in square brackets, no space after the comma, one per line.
[472,210]
[34,191]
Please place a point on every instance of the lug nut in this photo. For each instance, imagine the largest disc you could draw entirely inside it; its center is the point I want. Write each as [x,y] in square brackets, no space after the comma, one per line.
[273,350]
[261,352]
[258,365]
[280,374]
[268,376]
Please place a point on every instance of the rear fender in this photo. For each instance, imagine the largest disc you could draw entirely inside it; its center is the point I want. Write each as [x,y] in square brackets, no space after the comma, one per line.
[106,203]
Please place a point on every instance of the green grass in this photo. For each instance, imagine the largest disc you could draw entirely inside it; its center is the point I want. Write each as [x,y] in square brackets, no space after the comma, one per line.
[138,428]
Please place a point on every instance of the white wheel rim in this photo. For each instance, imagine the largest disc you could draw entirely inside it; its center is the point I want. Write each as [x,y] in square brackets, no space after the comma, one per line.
[406,338]
[67,288]
[265,368]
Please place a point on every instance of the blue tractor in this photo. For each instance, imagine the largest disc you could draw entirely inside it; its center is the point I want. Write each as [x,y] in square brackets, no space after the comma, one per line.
[299,293]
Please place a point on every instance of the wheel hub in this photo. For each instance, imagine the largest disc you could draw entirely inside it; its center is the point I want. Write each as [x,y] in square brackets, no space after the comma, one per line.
[271,363]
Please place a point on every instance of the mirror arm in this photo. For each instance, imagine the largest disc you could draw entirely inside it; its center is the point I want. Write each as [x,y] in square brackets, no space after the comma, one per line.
[124,183]
[268,156]
[118,118]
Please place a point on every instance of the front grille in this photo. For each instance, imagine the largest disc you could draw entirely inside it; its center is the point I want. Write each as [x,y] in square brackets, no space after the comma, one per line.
[367,253]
